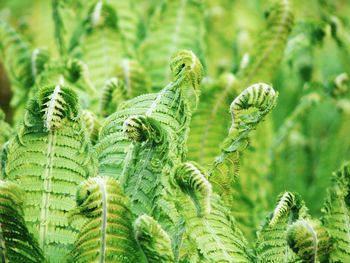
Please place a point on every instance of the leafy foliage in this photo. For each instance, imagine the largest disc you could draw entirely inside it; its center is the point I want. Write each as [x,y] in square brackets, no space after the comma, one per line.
[109,222]
[16,243]
[151,131]
[48,158]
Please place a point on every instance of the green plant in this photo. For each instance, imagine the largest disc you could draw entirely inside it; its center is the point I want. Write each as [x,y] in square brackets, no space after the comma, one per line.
[150,134]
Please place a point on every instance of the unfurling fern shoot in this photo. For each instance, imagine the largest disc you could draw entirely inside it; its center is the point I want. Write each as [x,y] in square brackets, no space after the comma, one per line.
[107,236]
[48,158]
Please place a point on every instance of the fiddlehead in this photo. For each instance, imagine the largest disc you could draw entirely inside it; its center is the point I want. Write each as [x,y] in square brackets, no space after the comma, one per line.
[309,240]
[192,180]
[247,110]
[154,128]
[142,128]
[272,243]
[107,235]
[57,103]
[153,240]
[174,25]
[49,157]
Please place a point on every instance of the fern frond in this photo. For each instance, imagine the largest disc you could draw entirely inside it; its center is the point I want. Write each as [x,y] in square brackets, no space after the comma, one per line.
[101,43]
[113,93]
[216,235]
[129,24]
[337,214]
[191,179]
[174,25]
[6,131]
[158,126]
[16,243]
[57,103]
[39,58]
[16,56]
[92,124]
[247,110]
[133,75]
[153,240]
[272,243]
[49,157]
[269,47]
[107,236]
[309,240]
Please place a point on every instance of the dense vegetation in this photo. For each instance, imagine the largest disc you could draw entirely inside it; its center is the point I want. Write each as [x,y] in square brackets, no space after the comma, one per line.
[174,131]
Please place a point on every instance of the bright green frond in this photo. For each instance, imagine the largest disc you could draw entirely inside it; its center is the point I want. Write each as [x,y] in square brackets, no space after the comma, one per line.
[247,110]
[272,243]
[101,43]
[48,158]
[148,133]
[337,214]
[107,235]
[16,243]
[153,240]
[269,47]
[192,180]
[217,237]
[177,25]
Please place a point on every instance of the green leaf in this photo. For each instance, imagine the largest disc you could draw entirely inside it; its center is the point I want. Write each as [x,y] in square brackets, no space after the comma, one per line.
[49,157]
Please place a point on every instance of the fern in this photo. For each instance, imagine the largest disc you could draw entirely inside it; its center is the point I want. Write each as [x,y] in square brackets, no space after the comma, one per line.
[269,47]
[272,243]
[191,180]
[336,214]
[210,231]
[107,235]
[210,121]
[16,243]
[153,128]
[153,240]
[101,46]
[136,80]
[49,157]
[174,24]
[309,240]
[113,93]
[217,236]
[129,24]
[22,65]
[247,110]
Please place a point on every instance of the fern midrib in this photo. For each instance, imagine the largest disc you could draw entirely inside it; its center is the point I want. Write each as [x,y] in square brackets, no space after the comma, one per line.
[274,43]
[139,172]
[52,106]
[47,180]
[127,161]
[33,61]
[314,237]
[102,187]
[158,99]
[217,240]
